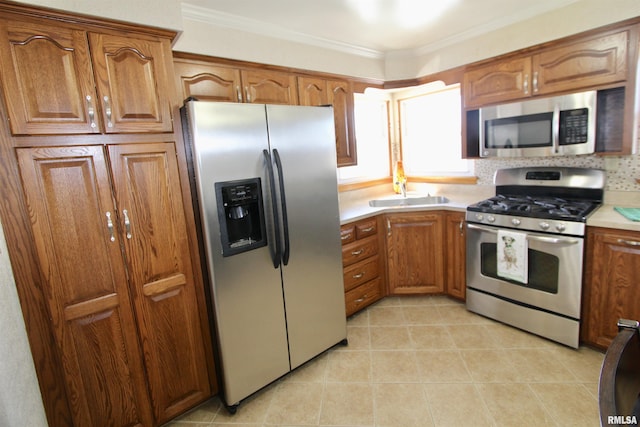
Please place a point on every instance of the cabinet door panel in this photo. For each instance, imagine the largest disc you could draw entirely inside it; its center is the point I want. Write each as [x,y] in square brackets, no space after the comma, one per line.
[504,81]
[147,186]
[414,246]
[269,87]
[68,194]
[46,77]
[208,82]
[583,64]
[611,283]
[341,97]
[312,91]
[132,83]
[456,254]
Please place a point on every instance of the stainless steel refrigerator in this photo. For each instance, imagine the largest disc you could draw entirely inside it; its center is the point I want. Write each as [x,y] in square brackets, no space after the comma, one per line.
[267,192]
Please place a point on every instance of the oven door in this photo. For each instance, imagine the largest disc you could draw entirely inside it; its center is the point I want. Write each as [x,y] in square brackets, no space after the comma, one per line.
[554,270]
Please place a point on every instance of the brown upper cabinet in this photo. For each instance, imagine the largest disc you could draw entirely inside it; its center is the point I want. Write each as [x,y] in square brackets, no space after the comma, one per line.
[207,81]
[577,65]
[339,94]
[204,79]
[61,79]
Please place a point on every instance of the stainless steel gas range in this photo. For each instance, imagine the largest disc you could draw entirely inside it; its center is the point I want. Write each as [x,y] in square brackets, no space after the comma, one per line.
[525,249]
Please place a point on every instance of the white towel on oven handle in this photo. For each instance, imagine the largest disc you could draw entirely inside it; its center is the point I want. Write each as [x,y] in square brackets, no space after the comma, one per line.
[512,256]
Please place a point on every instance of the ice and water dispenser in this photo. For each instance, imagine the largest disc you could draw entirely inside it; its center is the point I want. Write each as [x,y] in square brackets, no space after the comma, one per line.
[241,215]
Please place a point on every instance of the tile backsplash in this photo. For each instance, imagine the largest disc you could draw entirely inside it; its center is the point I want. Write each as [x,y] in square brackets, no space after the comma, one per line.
[622,171]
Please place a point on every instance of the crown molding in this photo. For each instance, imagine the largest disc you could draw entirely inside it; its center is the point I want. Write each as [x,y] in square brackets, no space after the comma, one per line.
[478,30]
[235,22]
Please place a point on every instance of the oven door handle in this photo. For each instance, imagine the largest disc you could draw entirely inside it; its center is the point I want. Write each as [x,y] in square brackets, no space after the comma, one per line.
[544,239]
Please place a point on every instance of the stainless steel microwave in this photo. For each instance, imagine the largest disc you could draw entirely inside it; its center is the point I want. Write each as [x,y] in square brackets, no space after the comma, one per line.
[560,125]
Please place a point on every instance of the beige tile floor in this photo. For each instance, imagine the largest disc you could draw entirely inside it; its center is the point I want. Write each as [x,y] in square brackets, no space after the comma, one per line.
[426,361]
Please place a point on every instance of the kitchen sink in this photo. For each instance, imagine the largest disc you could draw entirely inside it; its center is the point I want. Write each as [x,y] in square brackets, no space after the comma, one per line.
[408,201]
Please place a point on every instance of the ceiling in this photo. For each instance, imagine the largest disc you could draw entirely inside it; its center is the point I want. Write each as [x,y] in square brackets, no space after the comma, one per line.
[376,27]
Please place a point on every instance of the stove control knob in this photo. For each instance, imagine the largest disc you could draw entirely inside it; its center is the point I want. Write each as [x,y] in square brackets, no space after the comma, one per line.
[479,217]
[516,221]
[560,228]
[491,218]
[545,225]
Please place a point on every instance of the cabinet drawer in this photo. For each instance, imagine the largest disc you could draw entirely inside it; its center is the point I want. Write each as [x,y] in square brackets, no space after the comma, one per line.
[361,272]
[347,233]
[366,228]
[360,249]
[362,296]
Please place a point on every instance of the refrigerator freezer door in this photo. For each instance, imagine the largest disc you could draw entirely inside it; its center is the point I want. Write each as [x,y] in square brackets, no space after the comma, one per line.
[228,142]
[304,139]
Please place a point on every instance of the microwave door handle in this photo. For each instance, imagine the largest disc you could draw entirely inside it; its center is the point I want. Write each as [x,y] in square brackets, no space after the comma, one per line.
[555,129]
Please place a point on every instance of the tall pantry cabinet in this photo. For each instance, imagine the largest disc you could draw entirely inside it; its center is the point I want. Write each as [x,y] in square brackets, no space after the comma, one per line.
[99,220]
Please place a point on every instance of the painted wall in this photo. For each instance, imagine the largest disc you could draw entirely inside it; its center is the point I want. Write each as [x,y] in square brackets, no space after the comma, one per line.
[575,18]
[20,401]
[155,13]
[202,38]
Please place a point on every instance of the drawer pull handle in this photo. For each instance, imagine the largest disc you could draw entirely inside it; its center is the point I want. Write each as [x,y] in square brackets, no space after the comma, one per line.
[346,236]
[629,242]
[359,300]
[358,276]
[358,252]
[368,229]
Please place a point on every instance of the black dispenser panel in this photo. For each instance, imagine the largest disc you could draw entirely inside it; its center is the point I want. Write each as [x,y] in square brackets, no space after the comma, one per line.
[241,215]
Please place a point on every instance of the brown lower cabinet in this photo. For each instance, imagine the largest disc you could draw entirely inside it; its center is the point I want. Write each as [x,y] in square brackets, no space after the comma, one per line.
[611,283]
[415,252]
[404,253]
[111,240]
[456,254]
[363,264]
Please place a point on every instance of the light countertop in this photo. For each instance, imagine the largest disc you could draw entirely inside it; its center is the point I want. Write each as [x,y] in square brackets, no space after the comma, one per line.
[605,216]
[353,209]
[360,209]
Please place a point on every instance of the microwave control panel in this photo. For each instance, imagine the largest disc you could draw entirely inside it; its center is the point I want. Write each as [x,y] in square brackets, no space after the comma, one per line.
[574,126]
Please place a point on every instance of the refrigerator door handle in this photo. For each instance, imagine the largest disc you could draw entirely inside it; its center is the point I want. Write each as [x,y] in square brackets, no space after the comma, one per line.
[283,205]
[277,254]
